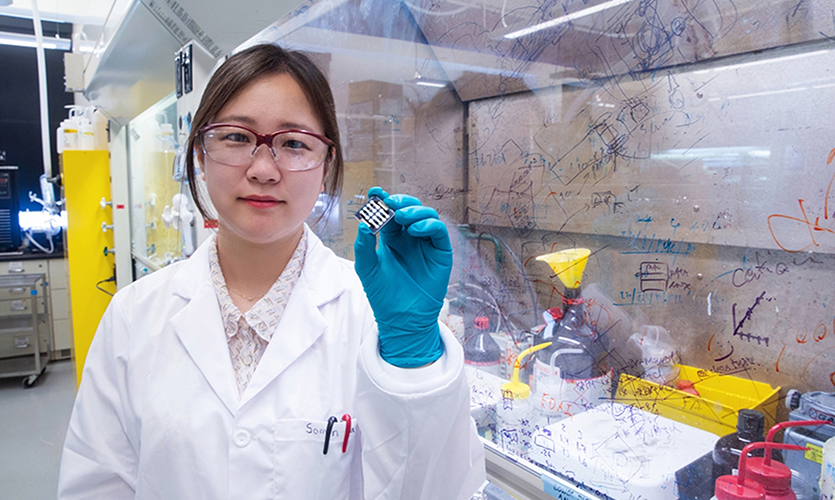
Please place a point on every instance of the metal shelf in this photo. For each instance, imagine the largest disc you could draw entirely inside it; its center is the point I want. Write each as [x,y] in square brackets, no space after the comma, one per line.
[19,324]
[14,363]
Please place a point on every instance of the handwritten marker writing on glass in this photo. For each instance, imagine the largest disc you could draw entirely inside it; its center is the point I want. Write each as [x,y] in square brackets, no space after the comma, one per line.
[375,213]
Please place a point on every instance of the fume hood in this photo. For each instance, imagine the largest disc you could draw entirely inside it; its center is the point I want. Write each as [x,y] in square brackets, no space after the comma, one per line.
[132,63]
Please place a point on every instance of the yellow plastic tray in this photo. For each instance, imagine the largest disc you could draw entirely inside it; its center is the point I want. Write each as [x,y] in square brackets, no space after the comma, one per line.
[714,410]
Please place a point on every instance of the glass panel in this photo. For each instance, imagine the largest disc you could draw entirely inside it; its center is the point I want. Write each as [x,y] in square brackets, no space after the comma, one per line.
[152,146]
[686,145]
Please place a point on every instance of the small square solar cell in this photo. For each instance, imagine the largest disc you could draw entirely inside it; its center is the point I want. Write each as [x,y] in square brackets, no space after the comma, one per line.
[375,213]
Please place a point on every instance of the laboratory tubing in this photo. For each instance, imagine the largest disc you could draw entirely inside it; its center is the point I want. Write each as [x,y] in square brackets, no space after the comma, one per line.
[516,389]
[744,487]
[514,345]
[775,477]
[552,319]
[481,350]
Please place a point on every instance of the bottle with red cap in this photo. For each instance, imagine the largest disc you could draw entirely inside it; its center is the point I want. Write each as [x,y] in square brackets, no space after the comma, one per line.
[481,350]
[744,486]
[774,476]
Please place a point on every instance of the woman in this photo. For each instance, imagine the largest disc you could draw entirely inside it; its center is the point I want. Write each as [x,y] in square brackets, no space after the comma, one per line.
[235,374]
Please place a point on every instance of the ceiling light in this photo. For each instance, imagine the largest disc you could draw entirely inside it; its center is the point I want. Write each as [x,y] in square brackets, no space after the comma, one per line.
[30,41]
[566,18]
[428,83]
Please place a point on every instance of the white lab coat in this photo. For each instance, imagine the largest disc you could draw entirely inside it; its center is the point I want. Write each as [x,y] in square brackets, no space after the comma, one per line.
[158,416]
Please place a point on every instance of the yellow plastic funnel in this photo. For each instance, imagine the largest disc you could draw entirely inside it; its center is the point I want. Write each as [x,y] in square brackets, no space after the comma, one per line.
[515,389]
[568,265]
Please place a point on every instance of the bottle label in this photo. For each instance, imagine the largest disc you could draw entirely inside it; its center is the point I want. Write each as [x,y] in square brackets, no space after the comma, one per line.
[567,397]
[814,454]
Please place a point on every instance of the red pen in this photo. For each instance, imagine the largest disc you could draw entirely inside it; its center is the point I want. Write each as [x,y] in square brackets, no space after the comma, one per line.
[347,419]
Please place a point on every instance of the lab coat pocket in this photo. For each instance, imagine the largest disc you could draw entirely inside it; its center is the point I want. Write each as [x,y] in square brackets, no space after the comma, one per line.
[301,468]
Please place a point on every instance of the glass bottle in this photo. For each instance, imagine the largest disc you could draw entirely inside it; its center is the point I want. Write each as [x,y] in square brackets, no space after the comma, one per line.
[576,356]
[481,350]
[749,428]
[572,333]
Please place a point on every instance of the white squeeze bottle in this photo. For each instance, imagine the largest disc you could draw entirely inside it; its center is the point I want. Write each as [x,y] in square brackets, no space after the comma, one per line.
[59,138]
[70,132]
[87,133]
[87,137]
[70,135]
[72,129]
[827,482]
[516,415]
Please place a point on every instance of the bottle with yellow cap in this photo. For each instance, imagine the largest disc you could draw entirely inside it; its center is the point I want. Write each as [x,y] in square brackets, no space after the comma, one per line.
[576,356]
[516,413]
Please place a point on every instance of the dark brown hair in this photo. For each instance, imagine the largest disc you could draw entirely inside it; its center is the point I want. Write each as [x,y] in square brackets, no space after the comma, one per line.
[243,68]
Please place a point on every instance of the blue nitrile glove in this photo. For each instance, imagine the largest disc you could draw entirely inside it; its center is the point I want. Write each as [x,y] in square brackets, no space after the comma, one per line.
[406,279]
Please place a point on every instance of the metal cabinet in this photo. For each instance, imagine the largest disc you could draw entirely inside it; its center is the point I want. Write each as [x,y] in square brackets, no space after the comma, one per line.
[25,330]
[57,297]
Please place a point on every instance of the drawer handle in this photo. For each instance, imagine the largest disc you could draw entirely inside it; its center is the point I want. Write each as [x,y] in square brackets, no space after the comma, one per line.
[17,270]
[17,290]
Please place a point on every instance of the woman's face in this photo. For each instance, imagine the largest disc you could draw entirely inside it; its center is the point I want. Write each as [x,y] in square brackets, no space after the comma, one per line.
[263,203]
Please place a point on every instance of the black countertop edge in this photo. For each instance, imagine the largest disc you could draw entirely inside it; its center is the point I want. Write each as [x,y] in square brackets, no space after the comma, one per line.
[11,257]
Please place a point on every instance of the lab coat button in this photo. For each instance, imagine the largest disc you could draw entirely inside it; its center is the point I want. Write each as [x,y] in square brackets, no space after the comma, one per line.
[242,438]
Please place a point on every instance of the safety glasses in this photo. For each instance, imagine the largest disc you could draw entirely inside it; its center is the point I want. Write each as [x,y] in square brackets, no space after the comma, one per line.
[236,145]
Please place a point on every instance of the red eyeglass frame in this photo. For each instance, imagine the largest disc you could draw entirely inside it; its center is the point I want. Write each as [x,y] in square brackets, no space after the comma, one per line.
[265,138]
